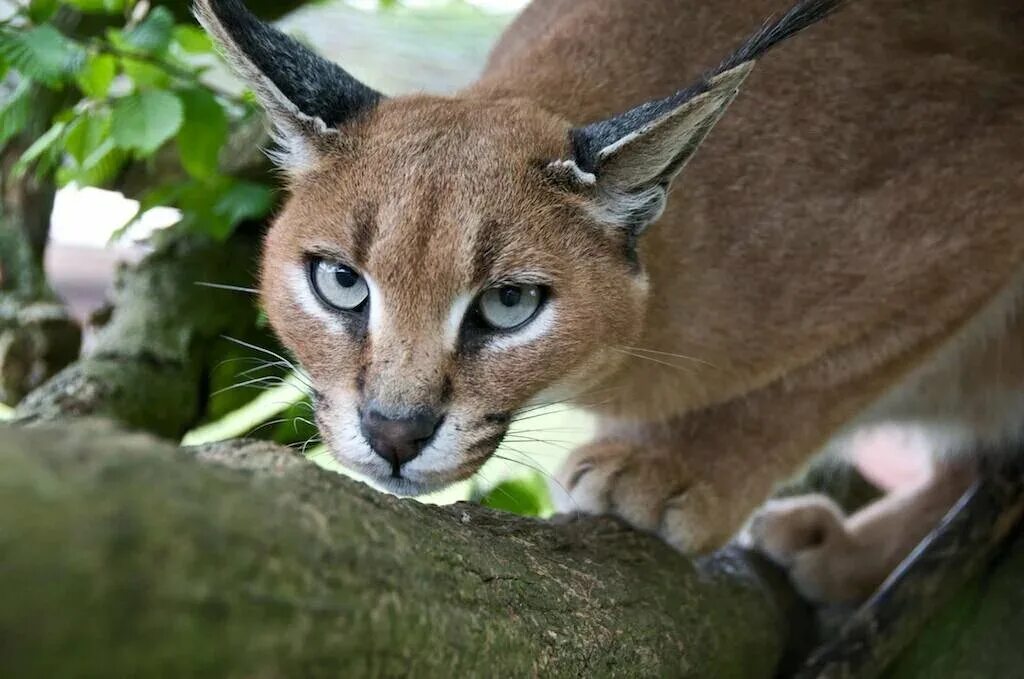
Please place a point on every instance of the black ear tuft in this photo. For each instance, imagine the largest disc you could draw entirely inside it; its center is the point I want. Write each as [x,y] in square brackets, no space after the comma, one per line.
[589,141]
[303,93]
[800,16]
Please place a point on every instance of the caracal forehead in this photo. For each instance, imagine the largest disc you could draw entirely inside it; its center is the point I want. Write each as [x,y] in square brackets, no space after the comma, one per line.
[482,140]
[439,195]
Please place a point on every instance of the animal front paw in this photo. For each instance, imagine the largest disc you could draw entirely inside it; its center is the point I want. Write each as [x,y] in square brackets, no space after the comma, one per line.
[808,537]
[652,492]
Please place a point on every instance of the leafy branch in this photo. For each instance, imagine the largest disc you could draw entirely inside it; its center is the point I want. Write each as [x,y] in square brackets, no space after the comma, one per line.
[128,91]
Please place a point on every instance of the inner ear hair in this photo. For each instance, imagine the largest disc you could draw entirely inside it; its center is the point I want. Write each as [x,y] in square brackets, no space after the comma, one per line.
[306,96]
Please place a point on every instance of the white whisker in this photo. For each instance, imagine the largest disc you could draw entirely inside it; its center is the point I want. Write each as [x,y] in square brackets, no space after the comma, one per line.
[232,288]
[671,355]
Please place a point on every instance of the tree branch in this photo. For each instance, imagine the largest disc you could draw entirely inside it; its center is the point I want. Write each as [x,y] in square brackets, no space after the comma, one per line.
[124,555]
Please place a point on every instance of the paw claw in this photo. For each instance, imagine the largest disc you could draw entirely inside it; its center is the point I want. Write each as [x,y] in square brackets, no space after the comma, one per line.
[650,492]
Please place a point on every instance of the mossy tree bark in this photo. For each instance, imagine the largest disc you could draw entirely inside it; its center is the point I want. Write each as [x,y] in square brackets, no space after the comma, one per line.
[122,555]
[151,363]
[37,335]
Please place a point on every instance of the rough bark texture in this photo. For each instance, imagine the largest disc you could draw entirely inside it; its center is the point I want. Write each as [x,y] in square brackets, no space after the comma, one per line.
[38,337]
[123,556]
[978,633]
[150,363]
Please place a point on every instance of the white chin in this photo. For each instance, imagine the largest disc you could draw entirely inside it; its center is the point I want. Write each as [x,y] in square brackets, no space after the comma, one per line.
[408,487]
[379,476]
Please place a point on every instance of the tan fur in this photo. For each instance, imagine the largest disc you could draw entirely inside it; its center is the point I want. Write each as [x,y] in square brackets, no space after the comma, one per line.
[843,559]
[832,244]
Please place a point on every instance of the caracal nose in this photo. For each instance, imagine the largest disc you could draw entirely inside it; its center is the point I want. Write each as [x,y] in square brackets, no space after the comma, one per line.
[399,439]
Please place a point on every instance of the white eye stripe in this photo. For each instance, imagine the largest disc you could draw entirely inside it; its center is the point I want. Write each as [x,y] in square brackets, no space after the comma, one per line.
[456,315]
[377,313]
[298,282]
[532,331]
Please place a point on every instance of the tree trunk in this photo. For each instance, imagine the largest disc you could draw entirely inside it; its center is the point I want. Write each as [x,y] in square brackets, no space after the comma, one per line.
[151,362]
[123,556]
[38,337]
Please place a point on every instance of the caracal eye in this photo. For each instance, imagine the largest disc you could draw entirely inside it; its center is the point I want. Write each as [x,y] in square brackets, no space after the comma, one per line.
[337,285]
[510,305]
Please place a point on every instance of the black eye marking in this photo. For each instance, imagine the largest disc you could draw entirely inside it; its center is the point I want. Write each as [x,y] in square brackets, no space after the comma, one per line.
[498,418]
[477,328]
[365,232]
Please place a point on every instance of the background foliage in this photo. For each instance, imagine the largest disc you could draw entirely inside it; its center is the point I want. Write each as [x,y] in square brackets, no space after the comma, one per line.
[124,83]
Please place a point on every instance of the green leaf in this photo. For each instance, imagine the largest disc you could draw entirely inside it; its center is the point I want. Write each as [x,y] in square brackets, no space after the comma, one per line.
[527,496]
[41,145]
[153,34]
[40,11]
[43,54]
[86,133]
[102,165]
[242,201]
[203,134]
[99,168]
[98,6]
[144,74]
[97,75]
[192,40]
[16,111]
[142,122]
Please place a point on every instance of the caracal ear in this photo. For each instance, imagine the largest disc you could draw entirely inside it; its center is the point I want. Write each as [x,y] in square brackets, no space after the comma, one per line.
[626,164]
[305,96]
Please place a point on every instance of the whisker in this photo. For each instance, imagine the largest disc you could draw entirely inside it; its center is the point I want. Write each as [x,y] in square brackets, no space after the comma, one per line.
[264,366]
[546,430]
[271,423]
[265,383]
[537,469]
[266,379]
[262,350]
[652,359]
[232,288]
[237,359]
[563,445]
[666,353]
[496,487]
[300,376]
[315,438]
[304,421]
[560,411]
[573,397]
